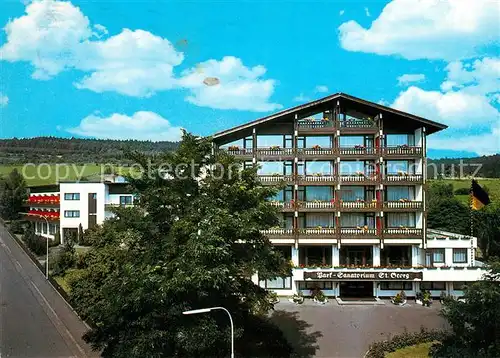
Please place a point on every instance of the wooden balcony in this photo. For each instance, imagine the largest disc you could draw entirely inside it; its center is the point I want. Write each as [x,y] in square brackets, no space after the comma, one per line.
[241,153]
[317,179]
[274,153]
[357,126]
[350,206]
[275,179]
[359,179]
[279,233]
[402,151]
[403,179]
[403,205]
[316,206]
[326,233]
[316,126]
[400,233]
[316,153]
[358,152]
[285,206]
[358,233]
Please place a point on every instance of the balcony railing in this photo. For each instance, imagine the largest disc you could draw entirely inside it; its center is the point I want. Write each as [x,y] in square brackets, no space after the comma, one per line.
[278,232]
[403,231]
[403,177]
[317,231]
[236,151]
[314,124]
[316,204]
[283,204]
[274,151]
[356,123]
[316,152]
[402,150]
[358,231]
[359,204]
[275,178]
[317,178]
[361,177]
[358,151]
[404,204]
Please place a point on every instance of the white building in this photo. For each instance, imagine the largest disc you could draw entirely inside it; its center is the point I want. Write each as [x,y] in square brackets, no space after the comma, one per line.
[67,205]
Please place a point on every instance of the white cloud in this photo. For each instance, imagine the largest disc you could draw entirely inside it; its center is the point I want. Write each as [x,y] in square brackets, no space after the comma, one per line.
[481,76]
[426,29]
[405,79]
[4,100]
[141,125]
[321,89]
[239,87]
[301,98]
[55,36]
[467,102]
[367,12]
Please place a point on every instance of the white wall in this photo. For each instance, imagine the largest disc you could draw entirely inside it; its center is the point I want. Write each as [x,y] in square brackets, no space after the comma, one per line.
[82,205]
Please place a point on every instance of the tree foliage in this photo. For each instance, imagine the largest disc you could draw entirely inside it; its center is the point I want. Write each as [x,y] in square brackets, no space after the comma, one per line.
[487,229]
[13,194]
[193,241]
[475,321]
[444,211]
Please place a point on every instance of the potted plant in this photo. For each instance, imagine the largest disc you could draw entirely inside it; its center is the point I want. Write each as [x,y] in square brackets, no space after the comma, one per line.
[318,296]
[297,298]
[316,147]
[427,299]
[273,298]
[233,148]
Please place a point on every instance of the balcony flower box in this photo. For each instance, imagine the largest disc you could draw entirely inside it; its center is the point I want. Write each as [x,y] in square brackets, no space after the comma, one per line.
[404,146]
[274,147]
[357,146]
[360,174]
[402,173]
[316,147]
[233,148]
[325,119]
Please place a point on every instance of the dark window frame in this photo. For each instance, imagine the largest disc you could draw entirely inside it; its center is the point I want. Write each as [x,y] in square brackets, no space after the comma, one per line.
[453,255]
[404,285]
[72,196]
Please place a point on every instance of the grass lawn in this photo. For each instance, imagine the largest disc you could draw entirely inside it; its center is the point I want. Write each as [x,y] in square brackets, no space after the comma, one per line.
[492,184]
[416,351]
[63,280]
[51,174]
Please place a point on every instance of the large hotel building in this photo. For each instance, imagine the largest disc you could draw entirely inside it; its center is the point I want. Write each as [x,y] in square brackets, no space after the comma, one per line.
[353,204]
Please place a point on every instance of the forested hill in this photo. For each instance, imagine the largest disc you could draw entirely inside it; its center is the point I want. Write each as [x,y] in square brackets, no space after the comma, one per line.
[74,150]
[450,167]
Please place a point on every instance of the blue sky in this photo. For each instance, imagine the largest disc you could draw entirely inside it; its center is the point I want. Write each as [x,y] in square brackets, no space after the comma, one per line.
[112,69]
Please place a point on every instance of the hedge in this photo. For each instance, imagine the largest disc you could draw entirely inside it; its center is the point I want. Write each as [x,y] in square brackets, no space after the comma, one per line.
[380,349]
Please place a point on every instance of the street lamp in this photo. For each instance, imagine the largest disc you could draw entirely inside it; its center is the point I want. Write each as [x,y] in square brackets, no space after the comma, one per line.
[206,310]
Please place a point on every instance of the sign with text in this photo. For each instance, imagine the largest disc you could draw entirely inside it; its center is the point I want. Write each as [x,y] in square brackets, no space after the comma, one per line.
[363,275]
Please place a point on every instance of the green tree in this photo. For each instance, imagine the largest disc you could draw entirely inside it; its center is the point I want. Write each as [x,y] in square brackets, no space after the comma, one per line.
[475,321]
[487,229]
[13,194]
[449,214]
[192,241]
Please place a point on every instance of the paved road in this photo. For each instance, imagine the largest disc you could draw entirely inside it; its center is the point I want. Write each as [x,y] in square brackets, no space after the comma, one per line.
[35,321]
[333,331]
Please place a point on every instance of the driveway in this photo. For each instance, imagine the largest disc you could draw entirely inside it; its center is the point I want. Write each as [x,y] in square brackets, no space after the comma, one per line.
[332,330]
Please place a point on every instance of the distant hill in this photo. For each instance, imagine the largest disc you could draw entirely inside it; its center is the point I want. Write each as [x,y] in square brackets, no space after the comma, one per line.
[75,150]
[450,167]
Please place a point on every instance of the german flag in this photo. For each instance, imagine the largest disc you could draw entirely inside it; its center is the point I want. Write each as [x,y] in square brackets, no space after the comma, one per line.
[479,197]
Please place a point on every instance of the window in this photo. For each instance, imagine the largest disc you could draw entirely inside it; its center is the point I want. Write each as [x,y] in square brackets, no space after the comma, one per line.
[459,256]
[437,256]
[352,193]
[400,220]
[71,213]
[52,229]
[436,286]
[395,166]
[393,140]
[282,283]
[286,251]
[71,196]
[125,199]
[323,193]
[394,193]
[396,285]
[354,220]
[44,227]
[313,220]
[459,285]
[322,285]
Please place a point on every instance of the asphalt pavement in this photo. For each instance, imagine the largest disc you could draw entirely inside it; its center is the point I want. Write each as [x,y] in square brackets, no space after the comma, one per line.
[35,321]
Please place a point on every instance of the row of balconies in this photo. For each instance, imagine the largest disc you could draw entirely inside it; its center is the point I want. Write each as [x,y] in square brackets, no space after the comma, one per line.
[340,205]
[316,152]
[333,233]
[330,179]
[330,125]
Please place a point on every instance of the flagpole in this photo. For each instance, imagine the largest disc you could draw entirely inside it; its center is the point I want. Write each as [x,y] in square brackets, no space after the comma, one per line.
[471,226]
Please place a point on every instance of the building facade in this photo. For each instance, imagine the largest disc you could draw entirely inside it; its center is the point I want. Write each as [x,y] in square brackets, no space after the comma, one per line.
[353,204]
[68,205]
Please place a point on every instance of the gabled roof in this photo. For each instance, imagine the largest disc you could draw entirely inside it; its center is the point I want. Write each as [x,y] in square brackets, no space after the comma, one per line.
[308,108]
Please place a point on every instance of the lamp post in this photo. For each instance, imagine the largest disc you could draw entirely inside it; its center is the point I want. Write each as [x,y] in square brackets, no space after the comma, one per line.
[206,310]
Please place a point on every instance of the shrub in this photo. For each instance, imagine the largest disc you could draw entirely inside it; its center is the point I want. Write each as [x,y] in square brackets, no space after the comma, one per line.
[462,191]
[380,349]
[17,226]
[36,244]
[65,259]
